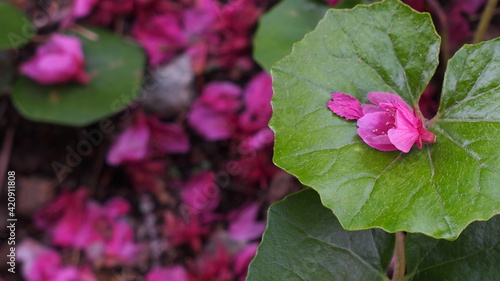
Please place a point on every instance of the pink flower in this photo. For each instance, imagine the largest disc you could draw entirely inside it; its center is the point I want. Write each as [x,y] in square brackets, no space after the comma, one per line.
[258,141]
[258,111]
[179,231]
[73,220]
[39,262]
[44,264]
[345,106]
[243,258]
[174,273]
[388,125]
[82,8]
[58,60]
[222,96]
[243,224]
[201,193]
[145,137]
[214,264]
[161,35]
[213,115]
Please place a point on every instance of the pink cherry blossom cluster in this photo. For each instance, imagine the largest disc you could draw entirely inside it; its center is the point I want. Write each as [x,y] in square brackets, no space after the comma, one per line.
[75,221]
[389,124]
[59,60]
[103,233]
[213,34]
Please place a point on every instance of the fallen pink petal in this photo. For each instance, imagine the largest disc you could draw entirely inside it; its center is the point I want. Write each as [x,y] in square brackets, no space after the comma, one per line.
[59,60]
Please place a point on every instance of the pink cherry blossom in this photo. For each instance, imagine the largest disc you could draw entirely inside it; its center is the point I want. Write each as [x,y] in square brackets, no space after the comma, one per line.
[146,137]
[345,106]
[201,194]
[73,220]
[174,273]
[179,231]
[243,258]
[222,96]
[82,8]
[214,264]
[161,35]
[258,94]
[44,264]
[243,224]
[213,115]
[389,124]
[260,140]
[59,60]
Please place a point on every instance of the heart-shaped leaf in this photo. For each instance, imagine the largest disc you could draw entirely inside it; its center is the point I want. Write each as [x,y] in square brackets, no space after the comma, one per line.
[475,255]
[283,25]
[304,241]
[389,47]
[115,66]
[16,29]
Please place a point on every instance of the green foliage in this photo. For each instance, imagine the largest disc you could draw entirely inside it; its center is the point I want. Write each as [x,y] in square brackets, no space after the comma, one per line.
[475,255]
[15,27]
[304,241]
[282,26]
[287,23]
[115,66]
[389,47]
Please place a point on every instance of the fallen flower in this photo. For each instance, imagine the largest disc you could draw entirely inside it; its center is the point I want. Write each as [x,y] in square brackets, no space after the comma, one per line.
[58,60]
[174,273]
[243,224]
[44,264]
[213,115]
[146,137]
[388,125]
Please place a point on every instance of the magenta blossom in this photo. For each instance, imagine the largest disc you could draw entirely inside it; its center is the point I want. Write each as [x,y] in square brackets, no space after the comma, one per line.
[58,60]
[388,125]
[174,273]
[145,138]
[213,115]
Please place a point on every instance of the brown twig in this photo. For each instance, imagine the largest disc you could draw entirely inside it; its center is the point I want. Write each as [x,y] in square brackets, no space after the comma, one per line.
[485,21]
[399,254]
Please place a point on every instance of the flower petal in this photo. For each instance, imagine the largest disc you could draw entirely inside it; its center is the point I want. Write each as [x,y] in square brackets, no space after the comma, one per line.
[345,106]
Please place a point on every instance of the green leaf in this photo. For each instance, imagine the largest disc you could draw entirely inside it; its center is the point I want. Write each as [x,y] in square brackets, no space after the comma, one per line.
[282,26]
[304,241]
[388,47]
[16,29]
[475,255]
[7,68]
[115,66]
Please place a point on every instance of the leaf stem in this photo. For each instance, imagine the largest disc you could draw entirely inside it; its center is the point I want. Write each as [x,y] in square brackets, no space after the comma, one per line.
[399,254]
[485,21]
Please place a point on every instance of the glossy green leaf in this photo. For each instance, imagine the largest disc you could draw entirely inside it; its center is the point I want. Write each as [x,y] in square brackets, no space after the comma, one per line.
[283,25]
[388,47]
[15,27]
[475,255]
[304,241]
[115,66]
